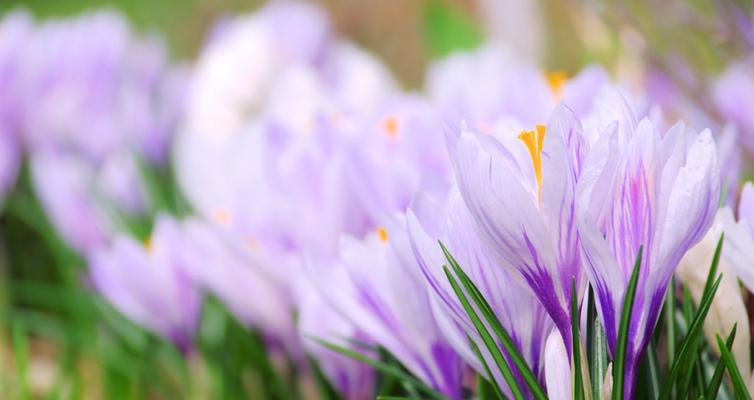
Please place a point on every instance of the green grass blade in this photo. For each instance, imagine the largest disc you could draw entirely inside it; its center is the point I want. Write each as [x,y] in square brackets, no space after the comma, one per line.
[670,324]
[619,364]
[739,387]
[578,384]
[486,337]
[21,360]
[650,371]
[501,333]
[717,377]
[687,351]
[495,387]
[382,367]
[597,350]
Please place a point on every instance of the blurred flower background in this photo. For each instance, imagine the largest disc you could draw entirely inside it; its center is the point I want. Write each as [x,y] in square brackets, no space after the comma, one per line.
[195,195]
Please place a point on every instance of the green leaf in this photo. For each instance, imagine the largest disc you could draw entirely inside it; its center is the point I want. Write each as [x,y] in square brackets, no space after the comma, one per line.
[619,365]
[502,334]
[21,359]
[578,384]
[687,352]
[447,29]
[650,371]
[497,355]
[325,391]
[670,323]
[382,367]
[483,383]
[739,387]
[717,377]
[596,347]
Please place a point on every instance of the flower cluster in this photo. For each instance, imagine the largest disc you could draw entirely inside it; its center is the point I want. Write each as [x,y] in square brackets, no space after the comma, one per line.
[320,196]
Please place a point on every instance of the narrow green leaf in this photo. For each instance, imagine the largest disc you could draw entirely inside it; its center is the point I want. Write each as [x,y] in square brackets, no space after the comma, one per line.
[578,384]
[683,359]
[670,324]
[717,377]
[619,365]
[489,342]
[21,359]
[500,331]
[651,369]
[598,357]
[739,387]
[491,382]
[382,367]
[325,391]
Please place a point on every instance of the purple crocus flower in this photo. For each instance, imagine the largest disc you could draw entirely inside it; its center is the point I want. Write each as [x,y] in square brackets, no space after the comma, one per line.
[88,98]
[146,281]
[381,291]
[732,92]
[14,29]
[318,320]
[433,218]
[520,193]
[487,84]
[223,266]
[642,188]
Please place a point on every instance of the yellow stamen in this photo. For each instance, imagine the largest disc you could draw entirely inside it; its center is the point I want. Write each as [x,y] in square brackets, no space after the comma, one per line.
[221,216]
[556,80]
[390,127]
[534,141]
[148,244]
[382,234]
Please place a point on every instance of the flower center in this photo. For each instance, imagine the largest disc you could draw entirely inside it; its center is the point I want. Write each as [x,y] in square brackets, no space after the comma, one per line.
[533,141]
[382,234]
[556,80]
[390,127]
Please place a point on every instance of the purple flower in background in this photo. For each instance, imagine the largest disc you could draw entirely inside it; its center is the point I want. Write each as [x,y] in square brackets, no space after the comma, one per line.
[221,265]
[147,282]
[91,87]
[379,289]
[89,99]
[318,320]
[85,205]
[488,84]
[434,218]
[241,62]
[642,188]
[733,93]
[14,30]
[520,192]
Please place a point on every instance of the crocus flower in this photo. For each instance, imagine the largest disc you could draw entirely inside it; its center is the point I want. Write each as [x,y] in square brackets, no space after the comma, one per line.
[146,282]
[520,192]
[381,292]
[317,320]
[220,265]
[241,61]
[14,29]
[487,84]
[432,218]
[557,368]
[641,188]
[731,93]
[89,99]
